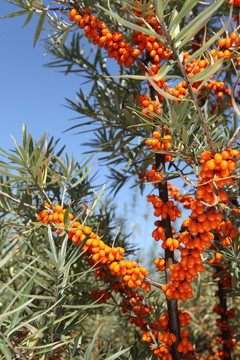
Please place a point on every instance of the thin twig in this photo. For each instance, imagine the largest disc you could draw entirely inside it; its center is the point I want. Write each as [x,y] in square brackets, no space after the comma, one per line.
[19,201]
[153,282]
[40,189]
[234,138]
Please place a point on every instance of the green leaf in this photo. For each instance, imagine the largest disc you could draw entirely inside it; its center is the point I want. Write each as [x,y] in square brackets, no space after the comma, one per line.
[18,274]
[83,177]
[76,346]
[21,307]
[184,136]
[22,299]
[53,247]
[207,72]
[38,315]
[186,8]
[98,197]
[18,13]
[191,29]
[62,253]
[29,17]
[158,5]
[212,39]
[115,356]
[39,27]
[4,349]
[92,344]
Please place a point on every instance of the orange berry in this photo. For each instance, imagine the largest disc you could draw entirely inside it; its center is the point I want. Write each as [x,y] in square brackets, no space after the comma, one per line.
[217,158]
[222,42]
[73,13]
[58,208]
[206,155]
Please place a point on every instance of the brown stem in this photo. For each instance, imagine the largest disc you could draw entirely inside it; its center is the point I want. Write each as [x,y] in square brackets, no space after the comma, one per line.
[153,282]
[174,326]
[222,294]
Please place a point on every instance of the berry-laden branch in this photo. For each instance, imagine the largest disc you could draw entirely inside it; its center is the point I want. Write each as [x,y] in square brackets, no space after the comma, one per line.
[174,326]
[206,218]
[195,235]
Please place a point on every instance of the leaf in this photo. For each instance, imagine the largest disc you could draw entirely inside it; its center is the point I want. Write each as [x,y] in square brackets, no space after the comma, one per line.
[158,5]
[92,344]
[191,29]
[18,13]
[62,252]
[212,39]
[4,349]
[39,27]
[83,177]
[207,72]
[186,8]
[53,247]
[77,344]
[29,17]
[233,98]
[21,307]
[115,356]
[22,299]
[184,136]
[64,38]
[98,197]
[17,275]
[38,315]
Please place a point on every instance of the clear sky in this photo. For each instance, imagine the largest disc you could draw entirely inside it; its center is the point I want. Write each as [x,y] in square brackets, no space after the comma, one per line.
[35,95]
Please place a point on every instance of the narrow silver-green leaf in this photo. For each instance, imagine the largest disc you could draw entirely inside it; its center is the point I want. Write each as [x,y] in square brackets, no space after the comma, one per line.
[184,136]
[22,299]
[92,344]
[18,13]
[83,177]
[191,29]
[212,39]
[207,72]
[115,356]
[159,8]
[23,306]
[4,349]
[29,17]
[39,27]
[52,245]
[186,8]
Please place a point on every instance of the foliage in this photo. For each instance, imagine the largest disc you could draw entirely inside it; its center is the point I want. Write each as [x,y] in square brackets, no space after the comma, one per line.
[172,105]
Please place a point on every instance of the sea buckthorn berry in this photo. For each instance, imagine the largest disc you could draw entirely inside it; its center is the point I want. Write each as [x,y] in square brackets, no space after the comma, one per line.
[58,208]
[206,155]
[73,13]
[217,158]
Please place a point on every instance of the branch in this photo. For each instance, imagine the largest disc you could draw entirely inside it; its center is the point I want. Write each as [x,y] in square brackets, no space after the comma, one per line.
[234,138]
[192,93]
[19,201]
[153,282]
